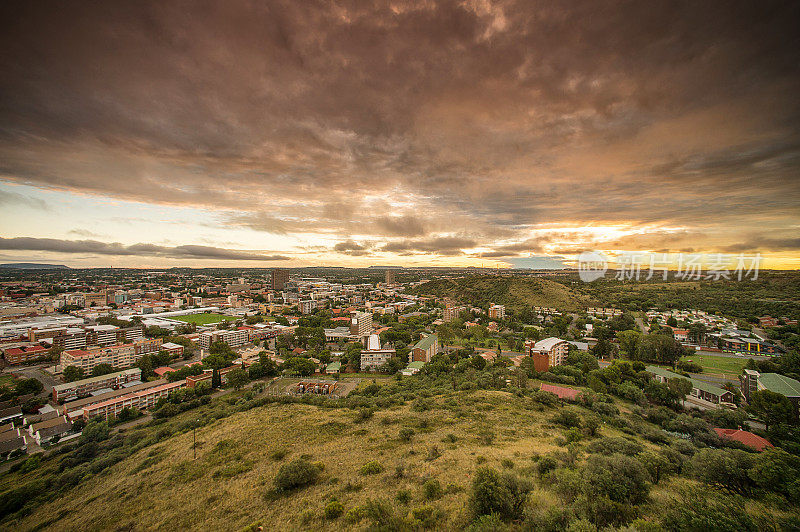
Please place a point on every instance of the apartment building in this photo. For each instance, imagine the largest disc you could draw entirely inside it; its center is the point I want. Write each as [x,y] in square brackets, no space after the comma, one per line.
[234,338]
[361,324]
[548,353]
[452,312]
[119,356]
[306,306]
[140,399]
[425,349]
[279,278]
[26,353]
[75,389]
[753,381]
[497,312]
[373,357]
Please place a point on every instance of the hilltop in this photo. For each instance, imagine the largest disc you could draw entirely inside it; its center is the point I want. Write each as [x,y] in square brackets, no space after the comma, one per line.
[513,292]
[34,266]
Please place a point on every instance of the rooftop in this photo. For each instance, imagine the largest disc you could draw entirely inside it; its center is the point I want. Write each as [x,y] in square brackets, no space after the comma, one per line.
[781,384]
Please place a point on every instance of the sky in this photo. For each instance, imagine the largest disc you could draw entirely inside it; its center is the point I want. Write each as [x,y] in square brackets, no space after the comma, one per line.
[473,133]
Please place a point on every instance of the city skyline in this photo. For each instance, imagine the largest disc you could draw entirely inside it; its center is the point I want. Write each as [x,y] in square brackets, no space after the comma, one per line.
[415,134]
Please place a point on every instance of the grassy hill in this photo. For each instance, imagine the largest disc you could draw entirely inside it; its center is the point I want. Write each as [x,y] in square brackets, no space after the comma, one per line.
[409,466]
[513,292]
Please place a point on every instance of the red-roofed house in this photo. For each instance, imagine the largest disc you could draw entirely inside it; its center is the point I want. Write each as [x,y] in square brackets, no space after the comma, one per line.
[163,370]
[753,441]
[568,394]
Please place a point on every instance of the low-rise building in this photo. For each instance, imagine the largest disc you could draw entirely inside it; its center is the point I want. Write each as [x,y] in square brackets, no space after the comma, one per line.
[75,389]
[25,353]
[753,381]
[143,399]
[700,389]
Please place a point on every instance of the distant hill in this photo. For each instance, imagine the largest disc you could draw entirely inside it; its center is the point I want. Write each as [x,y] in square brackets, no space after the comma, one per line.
[34,266]
[513,292]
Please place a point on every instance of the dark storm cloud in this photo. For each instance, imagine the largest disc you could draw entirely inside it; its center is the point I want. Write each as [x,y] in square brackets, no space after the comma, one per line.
[446,245]
[486,118]
[115,248]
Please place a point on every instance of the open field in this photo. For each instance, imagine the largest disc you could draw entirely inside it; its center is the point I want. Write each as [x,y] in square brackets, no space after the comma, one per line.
[203,319]
[728,366]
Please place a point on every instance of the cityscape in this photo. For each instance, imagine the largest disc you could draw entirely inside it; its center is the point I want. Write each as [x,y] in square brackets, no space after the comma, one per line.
[400,266]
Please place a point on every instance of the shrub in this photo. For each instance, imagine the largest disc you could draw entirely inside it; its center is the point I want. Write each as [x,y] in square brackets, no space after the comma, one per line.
[492,492]
[403,496]
[406,434]
[279,454]
[371,468]
[546,465]
[333,509]
[432,489]
[296,474]
[620,478]
[613,445]
[696,512]
[567,418]
[426,516]
[450,438]
[726,469]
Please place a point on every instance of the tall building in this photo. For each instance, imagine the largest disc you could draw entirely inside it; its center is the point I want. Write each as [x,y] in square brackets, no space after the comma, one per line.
[497,312]
[361,324]
[548,353]
[279,279]
[389,277]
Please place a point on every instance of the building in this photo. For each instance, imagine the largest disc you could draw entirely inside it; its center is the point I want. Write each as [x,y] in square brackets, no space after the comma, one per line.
[361,324]
[452,312]
[306,306]
[119,356]
[700,390]
[425,349]
[548,353]
[373,357]
[143,399]
[234,338]
[46,431]
[74,409]
[25,353]
[75,389]
[101,334]
[412,369]
[175,350]
[497,312]
[207,376]
[752,381]
[279,278]
[333,367]
[745,438]
[389,277]
[12,439]
[751,346]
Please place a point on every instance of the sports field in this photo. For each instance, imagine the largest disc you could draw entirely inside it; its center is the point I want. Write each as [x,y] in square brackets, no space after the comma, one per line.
[728,366]
[203,319]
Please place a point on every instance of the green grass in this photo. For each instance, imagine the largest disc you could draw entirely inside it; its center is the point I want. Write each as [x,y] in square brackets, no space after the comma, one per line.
[203,319]
[718,365]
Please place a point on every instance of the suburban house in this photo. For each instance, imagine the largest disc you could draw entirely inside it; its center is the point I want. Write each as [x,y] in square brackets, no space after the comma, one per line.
[753,441]
[700,390]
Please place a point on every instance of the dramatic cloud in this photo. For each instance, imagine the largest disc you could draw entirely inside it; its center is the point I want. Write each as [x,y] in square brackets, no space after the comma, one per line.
[396,121]
[115,248]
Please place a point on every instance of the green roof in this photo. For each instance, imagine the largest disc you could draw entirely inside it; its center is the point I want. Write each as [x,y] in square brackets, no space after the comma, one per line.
[333,366]
[663,372]
[416,365]
[426,342]
[775,382]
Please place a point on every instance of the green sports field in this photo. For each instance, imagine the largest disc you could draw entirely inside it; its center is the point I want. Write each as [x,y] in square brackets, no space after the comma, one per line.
[728,366]
[203,319]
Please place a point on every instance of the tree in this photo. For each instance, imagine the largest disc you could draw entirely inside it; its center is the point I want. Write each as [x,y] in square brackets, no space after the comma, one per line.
[629,341]
[72,373]
[102,369]
[28,386]
[771,407]
[353,353]
[493,493]
[238,378]
[300,366]
[682,387]
[727,469]
[146,365]
[672,321]
[216,380]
